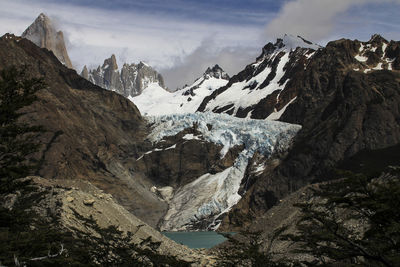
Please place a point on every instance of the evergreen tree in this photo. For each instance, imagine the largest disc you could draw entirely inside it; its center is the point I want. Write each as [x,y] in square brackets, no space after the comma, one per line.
[16,138]
[353,221]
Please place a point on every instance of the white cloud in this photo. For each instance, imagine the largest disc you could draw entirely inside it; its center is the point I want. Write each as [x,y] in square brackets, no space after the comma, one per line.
[182,48]
[320,19]
[94,34]
[187,68]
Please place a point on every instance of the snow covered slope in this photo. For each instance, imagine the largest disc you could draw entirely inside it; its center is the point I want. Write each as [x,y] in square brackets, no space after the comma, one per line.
[157,101]
[263,88]
[211,195]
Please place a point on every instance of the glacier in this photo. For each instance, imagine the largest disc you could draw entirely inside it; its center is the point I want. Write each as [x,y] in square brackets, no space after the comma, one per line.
[211,195]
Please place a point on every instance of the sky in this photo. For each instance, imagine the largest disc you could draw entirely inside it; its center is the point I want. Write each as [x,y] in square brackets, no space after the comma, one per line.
[181,38]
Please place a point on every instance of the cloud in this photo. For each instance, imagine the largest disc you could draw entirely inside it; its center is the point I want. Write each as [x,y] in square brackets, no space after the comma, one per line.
[318,20]
[162,40]
[189,67]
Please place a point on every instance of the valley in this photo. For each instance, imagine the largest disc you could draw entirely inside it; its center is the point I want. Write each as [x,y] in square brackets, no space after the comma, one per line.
[121,162]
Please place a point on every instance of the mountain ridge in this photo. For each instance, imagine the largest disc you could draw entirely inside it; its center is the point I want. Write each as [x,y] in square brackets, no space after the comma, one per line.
[346,105]
[130,81]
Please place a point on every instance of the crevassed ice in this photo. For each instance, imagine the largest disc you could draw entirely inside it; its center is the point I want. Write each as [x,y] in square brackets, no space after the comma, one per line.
[211,195]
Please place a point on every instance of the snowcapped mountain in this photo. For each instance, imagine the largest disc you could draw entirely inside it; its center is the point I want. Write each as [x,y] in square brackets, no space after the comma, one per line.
[374,55]
[43,34]
[263,89]
[157,101]
[129,82]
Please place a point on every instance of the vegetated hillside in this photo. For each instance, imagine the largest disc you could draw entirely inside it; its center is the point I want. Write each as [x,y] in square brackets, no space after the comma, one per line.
[348,102]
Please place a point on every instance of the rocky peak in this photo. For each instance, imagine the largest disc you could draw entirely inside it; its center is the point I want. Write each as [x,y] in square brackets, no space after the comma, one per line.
[110,63]
[288,42]
[43,33]
[10,36]
[131,80]
[377,38]
[216,72]
[85,73]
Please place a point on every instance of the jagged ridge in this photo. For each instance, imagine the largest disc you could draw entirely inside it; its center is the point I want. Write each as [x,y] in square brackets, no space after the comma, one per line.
[130,82]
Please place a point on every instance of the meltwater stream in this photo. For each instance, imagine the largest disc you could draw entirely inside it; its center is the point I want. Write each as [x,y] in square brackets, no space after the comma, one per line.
[196,239]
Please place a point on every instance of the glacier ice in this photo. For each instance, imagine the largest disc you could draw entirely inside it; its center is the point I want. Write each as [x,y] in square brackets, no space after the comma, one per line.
[211,195]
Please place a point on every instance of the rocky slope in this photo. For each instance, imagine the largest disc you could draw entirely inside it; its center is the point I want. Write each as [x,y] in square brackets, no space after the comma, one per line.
[347,102]
[43,33]
[264,88]
[91,134]
[83,210]
[157,101]
[129,82]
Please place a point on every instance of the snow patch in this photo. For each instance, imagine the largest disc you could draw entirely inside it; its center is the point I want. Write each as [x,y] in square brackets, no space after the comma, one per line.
[361,58]
[378,67]
[190,137]
[277,114]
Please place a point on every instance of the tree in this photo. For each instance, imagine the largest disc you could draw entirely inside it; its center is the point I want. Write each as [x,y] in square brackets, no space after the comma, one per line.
[354,220]
[16,138]
[245,249]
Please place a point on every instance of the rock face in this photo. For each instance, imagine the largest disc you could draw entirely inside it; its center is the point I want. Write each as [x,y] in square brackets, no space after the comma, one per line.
[157,101]
[43,34]
[347,102]
[263,90]
[130,82]
[91,134]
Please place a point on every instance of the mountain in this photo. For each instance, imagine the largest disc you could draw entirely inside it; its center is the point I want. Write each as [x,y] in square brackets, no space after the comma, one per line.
[157,101]
[264,88]
[150,166]
[91,134]
[86,185]
[43,33]
[347,102]
[129,82]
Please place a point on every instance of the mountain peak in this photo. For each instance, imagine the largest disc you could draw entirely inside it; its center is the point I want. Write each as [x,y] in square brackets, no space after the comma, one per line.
[288,42]
[292,42]
[217,72]
[377,38]
[42,17]
[43,34]
[129,81]
[143,64]
[85,73]
[110,62]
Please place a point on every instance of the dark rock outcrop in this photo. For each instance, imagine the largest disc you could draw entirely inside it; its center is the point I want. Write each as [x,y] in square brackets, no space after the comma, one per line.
[347,102]
[176,162]
[263,88]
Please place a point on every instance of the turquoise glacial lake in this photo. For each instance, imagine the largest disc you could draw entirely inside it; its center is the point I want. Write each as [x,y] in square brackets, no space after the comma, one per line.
[196,239]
